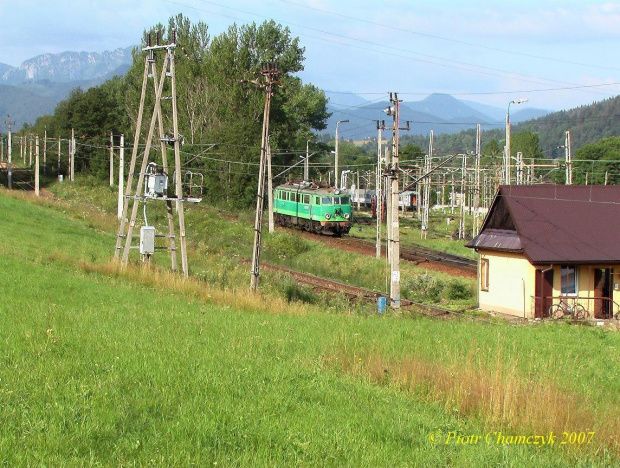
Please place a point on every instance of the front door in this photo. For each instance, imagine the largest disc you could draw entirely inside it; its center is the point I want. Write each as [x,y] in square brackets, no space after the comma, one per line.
[543,292]
[602,293]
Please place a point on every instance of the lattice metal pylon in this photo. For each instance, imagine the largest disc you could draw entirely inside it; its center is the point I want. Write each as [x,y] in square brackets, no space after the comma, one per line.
[134,197]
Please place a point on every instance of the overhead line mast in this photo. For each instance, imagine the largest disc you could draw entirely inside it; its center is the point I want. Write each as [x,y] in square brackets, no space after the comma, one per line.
[393,224]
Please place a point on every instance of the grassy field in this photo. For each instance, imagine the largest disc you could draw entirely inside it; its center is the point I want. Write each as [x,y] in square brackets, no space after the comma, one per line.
[102,367]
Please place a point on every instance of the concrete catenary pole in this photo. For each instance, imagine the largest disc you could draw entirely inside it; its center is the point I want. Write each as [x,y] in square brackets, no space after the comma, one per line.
[568,158]
[36,167]
[111,159]
[336,174]
[378,192]
[9,152]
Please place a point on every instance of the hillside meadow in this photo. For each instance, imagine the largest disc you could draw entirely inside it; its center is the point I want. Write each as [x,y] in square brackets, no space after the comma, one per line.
[107,367]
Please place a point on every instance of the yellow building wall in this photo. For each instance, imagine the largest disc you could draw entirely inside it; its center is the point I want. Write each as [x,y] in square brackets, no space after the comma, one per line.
[511,284]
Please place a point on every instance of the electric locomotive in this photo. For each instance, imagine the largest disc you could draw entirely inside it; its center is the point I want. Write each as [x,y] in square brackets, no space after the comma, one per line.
[308,206]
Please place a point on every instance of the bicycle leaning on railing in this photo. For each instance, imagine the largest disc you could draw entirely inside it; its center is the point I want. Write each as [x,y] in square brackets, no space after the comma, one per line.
[563,308]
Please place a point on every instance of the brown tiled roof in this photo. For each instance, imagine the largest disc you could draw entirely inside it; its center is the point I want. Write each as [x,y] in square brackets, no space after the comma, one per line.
[555,223]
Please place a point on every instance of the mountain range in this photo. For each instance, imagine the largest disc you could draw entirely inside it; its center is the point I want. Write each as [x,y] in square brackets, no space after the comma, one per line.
[36,86]
[441,113]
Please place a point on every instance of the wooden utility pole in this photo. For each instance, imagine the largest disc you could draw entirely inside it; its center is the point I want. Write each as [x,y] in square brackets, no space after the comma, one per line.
[266,79]
[174,139]
[121,176]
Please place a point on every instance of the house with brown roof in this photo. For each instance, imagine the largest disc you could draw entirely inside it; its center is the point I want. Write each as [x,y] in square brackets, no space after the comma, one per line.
[540,244]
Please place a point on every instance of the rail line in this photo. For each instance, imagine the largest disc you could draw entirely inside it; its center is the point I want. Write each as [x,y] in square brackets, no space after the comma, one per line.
[22,179]
[355,293]
[415,254]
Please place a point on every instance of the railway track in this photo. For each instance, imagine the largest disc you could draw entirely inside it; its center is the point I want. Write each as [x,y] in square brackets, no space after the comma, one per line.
[418,255]
[355,294]
[23,179]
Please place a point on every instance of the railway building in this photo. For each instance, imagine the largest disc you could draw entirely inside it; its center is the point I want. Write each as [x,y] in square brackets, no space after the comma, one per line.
[541,244]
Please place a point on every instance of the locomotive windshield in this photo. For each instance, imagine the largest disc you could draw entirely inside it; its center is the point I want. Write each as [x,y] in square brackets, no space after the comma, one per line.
[336,200]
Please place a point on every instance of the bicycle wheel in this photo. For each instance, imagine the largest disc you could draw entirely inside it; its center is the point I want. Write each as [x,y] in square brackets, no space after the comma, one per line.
[579,312]
[556,311]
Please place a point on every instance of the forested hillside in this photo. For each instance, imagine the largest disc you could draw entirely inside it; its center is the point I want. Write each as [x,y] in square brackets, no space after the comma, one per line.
[587,124]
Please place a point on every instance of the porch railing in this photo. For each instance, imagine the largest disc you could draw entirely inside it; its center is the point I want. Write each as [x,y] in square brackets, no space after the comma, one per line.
[596,307]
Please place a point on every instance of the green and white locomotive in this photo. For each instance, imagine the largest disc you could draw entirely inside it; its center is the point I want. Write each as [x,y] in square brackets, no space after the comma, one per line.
[310,207]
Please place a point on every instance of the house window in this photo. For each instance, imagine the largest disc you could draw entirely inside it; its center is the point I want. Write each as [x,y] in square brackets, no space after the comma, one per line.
[569,280]
[484,274]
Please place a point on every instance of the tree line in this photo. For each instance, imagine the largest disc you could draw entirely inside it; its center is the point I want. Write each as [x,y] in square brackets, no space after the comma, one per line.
[216,105]
[220,115]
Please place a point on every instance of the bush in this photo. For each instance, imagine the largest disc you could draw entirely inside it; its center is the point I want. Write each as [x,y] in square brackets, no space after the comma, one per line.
[424,287]
[457,290]
[296,293]
[284,245]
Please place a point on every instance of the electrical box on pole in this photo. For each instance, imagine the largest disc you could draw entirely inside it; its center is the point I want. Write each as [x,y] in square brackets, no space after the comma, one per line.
[152,183]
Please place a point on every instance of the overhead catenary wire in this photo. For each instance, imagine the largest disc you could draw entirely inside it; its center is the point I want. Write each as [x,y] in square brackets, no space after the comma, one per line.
[396,51]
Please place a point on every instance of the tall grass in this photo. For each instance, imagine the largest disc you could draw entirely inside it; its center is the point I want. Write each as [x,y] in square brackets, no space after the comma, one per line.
[496,393]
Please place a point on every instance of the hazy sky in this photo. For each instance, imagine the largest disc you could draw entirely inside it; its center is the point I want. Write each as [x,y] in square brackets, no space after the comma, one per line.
[558,53]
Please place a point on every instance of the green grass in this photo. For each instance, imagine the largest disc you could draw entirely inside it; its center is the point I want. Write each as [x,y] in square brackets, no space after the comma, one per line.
[104,368]
[218,246]
[438,236]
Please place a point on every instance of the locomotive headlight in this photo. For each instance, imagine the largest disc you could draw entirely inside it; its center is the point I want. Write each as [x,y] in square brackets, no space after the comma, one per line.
[327,216]
[346,216]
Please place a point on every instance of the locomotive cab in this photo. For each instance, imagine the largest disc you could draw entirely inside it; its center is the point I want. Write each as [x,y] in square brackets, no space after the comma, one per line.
[310,207]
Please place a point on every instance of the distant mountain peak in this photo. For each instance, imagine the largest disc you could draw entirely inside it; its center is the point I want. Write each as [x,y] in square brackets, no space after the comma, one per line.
[66,66]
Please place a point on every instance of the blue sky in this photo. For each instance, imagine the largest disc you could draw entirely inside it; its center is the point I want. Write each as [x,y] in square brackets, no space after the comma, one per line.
[558,53]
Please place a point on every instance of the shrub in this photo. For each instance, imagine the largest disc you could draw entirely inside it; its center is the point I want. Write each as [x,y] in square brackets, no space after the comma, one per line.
[457,290]
[424,287]
[284,245]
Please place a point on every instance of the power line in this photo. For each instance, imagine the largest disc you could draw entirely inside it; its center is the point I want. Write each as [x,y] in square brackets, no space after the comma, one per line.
[454,41]
[430,59]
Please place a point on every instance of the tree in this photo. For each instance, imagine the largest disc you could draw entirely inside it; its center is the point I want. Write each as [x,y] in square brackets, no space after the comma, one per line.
[526,143]
[598,160]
